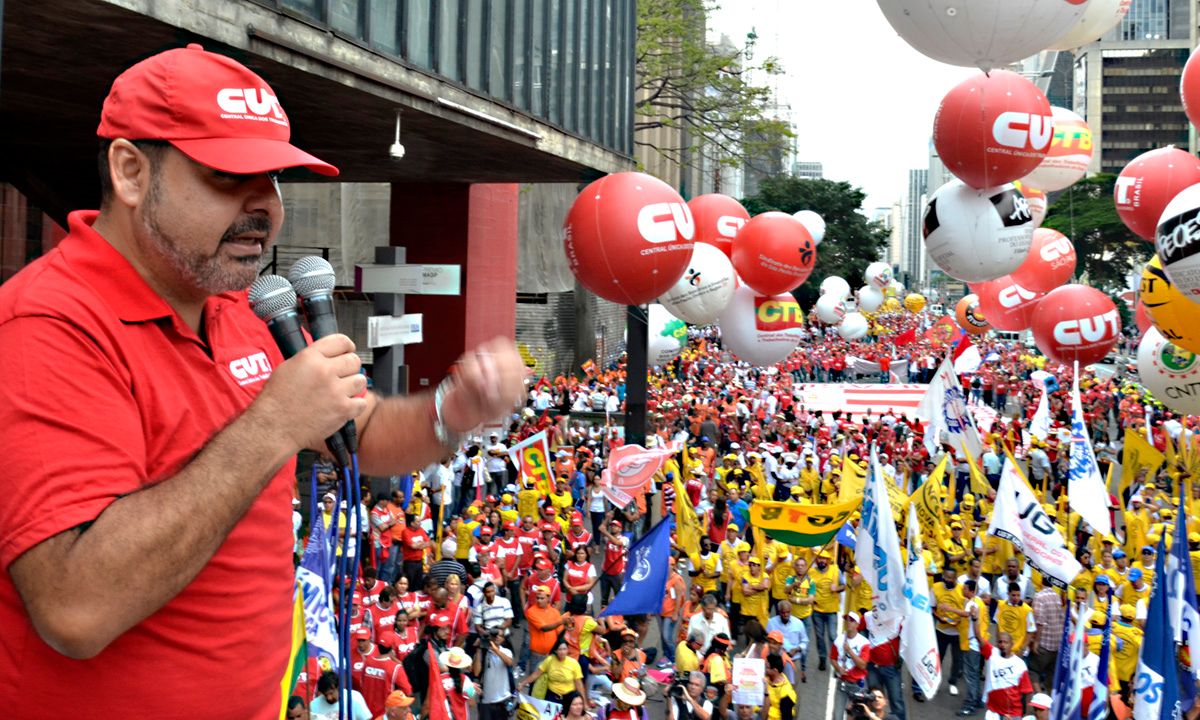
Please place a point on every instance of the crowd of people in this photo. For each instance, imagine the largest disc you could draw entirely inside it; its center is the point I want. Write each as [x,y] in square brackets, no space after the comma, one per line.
[500,583]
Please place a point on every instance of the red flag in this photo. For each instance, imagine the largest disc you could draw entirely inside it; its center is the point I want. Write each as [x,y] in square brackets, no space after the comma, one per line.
[439,704]
[907,337]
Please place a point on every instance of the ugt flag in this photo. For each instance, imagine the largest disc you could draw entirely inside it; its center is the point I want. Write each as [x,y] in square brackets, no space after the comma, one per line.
[918,641]
[646,571]
[1156,682]
[313,577]
[946,408]
[1068,686]
[877,547]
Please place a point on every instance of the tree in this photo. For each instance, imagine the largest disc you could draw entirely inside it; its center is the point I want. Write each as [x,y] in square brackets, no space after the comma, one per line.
[851,241]
[703,91]
[1106,250]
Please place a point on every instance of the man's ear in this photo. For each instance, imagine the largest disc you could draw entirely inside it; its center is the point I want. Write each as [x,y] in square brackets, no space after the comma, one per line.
[129,170]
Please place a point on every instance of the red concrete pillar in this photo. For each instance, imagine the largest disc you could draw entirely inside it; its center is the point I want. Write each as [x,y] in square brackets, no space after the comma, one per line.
[474,226]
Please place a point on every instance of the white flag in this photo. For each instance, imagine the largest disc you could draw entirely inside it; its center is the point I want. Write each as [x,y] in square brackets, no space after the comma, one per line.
[918,639]
[945,406]
[878,551]
[1019,518]
[1085,488]
[1039,427]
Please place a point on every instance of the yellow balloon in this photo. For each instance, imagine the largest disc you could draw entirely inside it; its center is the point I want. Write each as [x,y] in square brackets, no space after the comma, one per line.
[1176,317]
[914,302]
[891,305]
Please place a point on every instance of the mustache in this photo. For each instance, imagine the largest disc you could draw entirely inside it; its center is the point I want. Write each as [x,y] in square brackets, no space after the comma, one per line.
[249,224]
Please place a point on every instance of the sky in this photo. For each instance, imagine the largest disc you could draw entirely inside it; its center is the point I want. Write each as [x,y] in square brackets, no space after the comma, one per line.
[862,100]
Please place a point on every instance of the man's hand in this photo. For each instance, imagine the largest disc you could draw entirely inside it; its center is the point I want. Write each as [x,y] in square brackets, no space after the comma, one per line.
[313,393]
[489,383]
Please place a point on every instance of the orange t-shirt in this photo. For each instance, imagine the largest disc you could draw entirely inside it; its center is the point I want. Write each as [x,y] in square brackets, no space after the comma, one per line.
[676,593]
[397,530]
[542,641]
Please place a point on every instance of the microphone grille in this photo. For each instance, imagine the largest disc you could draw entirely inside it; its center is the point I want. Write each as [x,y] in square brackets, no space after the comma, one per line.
[312,275]
[270,296]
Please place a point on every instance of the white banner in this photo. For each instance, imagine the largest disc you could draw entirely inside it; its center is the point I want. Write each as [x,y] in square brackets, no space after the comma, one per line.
[946,408]
[1039,427]
[531,708]
[1019,518]
[918,640]
[1085,487]
[863,366]
[878,551]
[858,399]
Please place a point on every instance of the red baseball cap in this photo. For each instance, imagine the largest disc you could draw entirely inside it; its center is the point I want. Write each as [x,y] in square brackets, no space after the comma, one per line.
[210,107]
[362,634]
[438,620]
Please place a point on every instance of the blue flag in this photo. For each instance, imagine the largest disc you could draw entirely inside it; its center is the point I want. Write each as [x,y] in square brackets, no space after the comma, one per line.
[1067,702]
[1098,710]
[315,585]
[1156,682]
[646,572]
[846,538]
[1182,606]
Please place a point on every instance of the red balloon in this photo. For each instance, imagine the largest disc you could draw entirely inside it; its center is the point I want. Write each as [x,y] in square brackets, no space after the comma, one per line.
[1141,316]
[1007,305]
[628,237]
[1189,88]
[774,253]
[718,219]
[1148,183]
[992,129]
[1076,323]
[1050,263]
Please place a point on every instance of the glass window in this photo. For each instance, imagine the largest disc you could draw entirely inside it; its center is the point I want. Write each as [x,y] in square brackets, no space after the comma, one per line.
[499,33]
[554,83]
[311,8]
[520,45]
[570,64]
[345,17]
[385,25]
[417,30]
[591,80]
[473,39]
[449,19]
[537,67]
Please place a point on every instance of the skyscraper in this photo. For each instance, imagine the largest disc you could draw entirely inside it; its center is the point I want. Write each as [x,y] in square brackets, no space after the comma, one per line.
[1127,84]
[913,265]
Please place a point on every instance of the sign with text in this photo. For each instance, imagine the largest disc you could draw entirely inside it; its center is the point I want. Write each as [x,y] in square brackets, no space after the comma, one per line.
[408,279]
[389,330]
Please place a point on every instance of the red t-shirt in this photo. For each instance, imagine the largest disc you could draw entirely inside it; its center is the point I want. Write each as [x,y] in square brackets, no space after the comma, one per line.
[135,397]
[383,620]
[380,676]
[409,553]
[369,596]
[458,616]
[406,639]
[614,558]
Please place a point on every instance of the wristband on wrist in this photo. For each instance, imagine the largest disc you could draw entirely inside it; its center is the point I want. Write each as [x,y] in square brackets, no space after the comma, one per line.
[448,438]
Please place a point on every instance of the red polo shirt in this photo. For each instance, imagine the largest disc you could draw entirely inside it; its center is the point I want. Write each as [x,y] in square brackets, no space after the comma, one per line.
[106,391]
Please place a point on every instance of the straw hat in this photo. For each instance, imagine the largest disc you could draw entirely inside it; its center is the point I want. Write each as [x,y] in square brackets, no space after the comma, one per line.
[455,657]
[630,692]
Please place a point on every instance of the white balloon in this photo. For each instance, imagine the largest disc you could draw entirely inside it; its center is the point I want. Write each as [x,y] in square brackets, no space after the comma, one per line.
[705,288]
[981,34]
[761,330]
[1169,372]
[1069,156]
[1099,17]
[1178,242]
[831,309]
[854,326]
[977,235]
[878,274]
[666,335]
[835,286]
[869,298]
[896,287]
[812,222]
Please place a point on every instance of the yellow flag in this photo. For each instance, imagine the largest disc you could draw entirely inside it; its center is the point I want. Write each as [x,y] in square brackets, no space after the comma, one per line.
[928,501]
[1169,451]
[979,481]
[687,525]
[1139,455]
[854,481]
[898,499]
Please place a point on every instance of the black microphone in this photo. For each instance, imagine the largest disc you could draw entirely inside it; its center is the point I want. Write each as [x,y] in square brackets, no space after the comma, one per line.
[274,302]
[313,279]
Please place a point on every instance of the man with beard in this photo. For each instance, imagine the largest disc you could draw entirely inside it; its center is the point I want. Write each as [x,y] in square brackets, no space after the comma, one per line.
[168,449]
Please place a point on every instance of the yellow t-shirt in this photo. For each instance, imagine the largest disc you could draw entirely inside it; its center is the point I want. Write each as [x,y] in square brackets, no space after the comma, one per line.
[783,572]
[755,605]
[1014,620]
[776,693]
[708,577]
[685,659]
[1130,595]
[561,674]
[561,502]
[825,581]
[952,597]
[1126,650]
[737,571]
